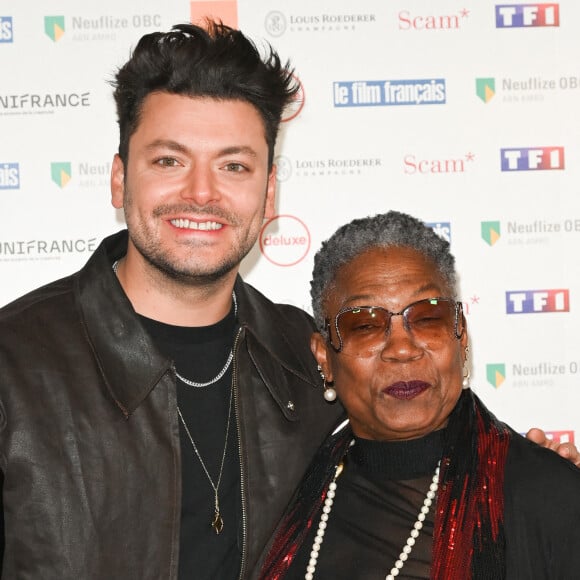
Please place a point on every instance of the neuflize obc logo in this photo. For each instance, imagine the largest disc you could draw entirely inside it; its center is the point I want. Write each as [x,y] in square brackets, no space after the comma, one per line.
[9,176]
[495,373]
[6,29]
[54,27]
[527,15]
[537,301]
[491,232]
[389,93]
[485,89]
[61,172]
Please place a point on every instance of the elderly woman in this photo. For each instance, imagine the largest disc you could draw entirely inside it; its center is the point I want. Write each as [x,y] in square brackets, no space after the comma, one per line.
[422,481]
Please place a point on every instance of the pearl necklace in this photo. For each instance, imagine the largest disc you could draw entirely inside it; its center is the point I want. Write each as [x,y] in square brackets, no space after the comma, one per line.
[407,548]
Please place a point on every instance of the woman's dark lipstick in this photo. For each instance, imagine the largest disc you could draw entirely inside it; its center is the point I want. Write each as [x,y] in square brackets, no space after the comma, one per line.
[406,389]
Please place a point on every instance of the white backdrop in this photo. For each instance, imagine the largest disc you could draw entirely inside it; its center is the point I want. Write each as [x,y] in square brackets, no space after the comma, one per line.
[463,114]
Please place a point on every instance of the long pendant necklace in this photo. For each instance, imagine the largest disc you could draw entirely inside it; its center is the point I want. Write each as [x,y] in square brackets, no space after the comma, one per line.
[407,548]
[217,522]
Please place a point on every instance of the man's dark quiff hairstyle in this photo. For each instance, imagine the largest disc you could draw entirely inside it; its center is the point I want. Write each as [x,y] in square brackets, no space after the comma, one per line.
[217,62]
[391,229]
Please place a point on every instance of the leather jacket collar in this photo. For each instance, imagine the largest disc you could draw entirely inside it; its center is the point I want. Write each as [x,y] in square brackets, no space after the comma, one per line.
[129,361]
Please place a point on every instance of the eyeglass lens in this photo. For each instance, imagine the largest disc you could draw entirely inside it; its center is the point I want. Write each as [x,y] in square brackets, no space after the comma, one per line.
[364,330]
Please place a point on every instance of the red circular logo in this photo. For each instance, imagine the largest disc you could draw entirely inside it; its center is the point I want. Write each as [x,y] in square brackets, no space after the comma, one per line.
[285,240]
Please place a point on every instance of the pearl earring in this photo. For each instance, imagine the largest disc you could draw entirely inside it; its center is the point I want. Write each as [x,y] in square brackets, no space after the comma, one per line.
[329,392]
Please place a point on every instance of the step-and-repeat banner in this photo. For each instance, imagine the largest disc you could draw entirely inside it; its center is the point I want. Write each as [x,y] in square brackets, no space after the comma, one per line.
[465,114]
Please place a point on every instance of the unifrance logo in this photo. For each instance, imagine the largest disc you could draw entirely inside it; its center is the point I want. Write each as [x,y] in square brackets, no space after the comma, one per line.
[54,27]
[526,15]
[485,89]
[61,173]
[442,229]
[389,93]
[537,301]
[6,30]
[532,158]
[285,240]
[9,176]
[490,232]
[495,373]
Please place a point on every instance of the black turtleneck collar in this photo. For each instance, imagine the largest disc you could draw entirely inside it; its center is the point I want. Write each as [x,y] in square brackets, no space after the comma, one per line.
[398,459]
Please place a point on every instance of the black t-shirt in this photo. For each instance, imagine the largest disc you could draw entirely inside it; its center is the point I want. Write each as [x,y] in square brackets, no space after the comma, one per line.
[199,354]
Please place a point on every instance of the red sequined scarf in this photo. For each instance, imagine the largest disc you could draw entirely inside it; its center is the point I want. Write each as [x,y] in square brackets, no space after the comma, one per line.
[468,538]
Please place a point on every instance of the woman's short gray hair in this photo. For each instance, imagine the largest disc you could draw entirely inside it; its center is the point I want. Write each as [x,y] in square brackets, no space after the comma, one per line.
[391,229]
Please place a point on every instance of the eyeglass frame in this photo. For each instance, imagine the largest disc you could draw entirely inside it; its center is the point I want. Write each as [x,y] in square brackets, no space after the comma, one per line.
[458,312]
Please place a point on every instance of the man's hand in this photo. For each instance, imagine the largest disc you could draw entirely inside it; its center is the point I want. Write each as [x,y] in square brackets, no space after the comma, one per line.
[566,450]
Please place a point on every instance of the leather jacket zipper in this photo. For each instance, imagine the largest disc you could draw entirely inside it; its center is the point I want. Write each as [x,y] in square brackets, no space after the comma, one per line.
[242,473]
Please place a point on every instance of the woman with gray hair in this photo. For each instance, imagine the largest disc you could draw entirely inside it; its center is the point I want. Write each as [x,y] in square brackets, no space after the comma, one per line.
[422,480]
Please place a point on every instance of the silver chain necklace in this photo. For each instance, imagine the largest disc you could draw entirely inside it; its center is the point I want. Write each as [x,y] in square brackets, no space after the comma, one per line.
[228,362]
[407,548]
[217,522]
[224,369]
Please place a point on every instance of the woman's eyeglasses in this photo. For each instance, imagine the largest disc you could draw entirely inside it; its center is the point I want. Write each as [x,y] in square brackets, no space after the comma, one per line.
[363,330]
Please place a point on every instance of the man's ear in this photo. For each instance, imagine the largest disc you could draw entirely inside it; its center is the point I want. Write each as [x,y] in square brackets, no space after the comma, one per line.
[319,348]
[270,202]
[117,182]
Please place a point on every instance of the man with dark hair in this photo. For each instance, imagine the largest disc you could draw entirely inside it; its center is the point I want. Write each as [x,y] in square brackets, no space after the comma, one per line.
[156,412]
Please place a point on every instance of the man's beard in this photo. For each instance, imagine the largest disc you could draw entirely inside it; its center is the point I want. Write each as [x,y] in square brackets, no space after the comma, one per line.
[186,274]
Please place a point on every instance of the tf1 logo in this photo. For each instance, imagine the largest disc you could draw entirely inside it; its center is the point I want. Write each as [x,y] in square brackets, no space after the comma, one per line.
[525,15]
[536,301]
[532,158]
[5,28]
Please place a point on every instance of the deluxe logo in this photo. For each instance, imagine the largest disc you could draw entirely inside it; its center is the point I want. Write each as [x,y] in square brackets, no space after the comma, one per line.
[294,108]
[54,27]
[495,374]
[537,301]
[61,173]
[532,158]
[413,165]
[18,250]
[6,30]
[389,93]
[561,436]
[285,240]
[9,176]
[442,229]
[526,15]
[277,23]
[490,232]
[432,22]
[485,89]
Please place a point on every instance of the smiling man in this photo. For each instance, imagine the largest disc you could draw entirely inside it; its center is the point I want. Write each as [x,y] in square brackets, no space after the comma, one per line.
[156,412]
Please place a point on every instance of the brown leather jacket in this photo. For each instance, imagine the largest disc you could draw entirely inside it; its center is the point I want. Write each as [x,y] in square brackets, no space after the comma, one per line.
[89,438]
